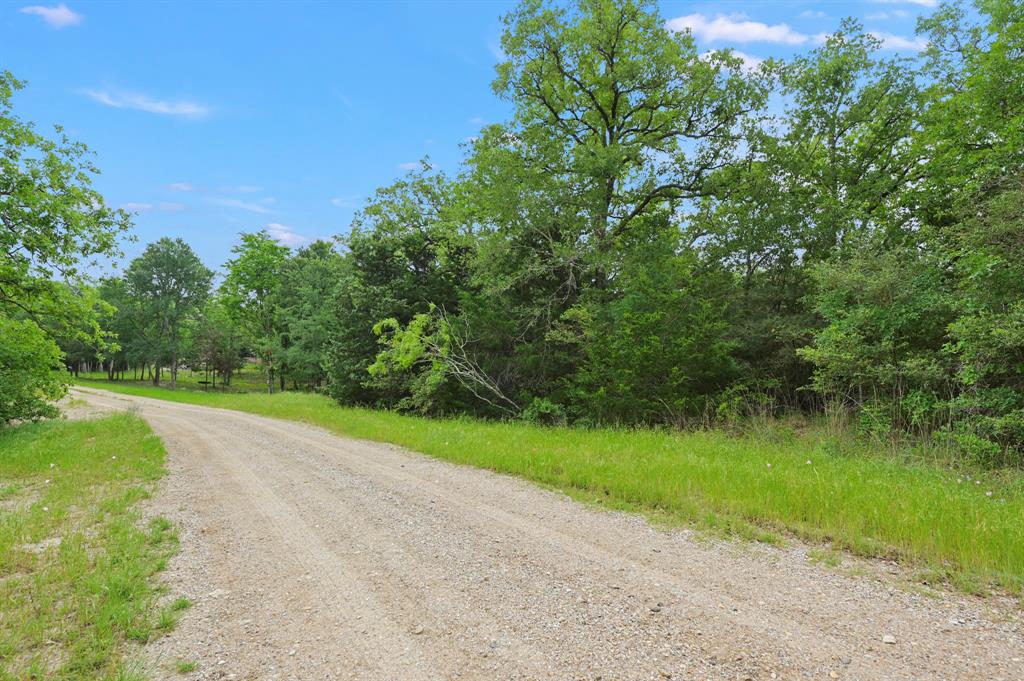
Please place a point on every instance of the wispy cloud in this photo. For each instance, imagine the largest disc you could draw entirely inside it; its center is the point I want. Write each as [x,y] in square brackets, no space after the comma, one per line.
[409,165]
[285,235]
[891,41]
[180,187]
[129,100]
[345,201]
[919,3]
[737,29]
[810,14]
[496,51]
[166,206]
[891,14]
[244,205]
[58,16]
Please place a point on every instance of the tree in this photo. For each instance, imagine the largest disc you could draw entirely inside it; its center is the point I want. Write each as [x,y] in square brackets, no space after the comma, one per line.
[217,341]
[170,284]
[973,137]
[310,280]
[837,167]
[406,252]
[31,372]
[51,219]
[618,124]
[250,292]
[636,117]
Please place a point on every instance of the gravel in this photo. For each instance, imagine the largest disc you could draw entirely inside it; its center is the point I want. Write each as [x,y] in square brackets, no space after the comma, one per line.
[310,556]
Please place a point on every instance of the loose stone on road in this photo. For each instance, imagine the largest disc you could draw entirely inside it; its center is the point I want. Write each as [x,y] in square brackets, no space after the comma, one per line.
[311,556]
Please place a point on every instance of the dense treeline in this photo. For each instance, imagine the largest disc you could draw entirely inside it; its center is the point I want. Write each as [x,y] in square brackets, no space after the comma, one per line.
[656,236]
[663,236]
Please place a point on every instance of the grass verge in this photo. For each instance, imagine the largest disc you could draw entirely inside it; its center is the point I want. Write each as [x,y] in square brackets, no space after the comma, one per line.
[76,565]
[965,529]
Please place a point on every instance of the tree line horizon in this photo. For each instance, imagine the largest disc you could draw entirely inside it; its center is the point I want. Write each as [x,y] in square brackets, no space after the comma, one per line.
[657,236]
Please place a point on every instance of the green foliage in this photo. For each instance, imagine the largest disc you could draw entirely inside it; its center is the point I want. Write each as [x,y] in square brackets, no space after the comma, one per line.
[216,341]
[888,314]
[662,237]
[646,241]
[31,375]
[250,290]
[405,253]
[658,352]
[167,286]
[310,281]
[52,219]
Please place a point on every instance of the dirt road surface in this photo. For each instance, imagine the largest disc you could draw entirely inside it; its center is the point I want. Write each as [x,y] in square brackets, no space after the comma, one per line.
[310,556]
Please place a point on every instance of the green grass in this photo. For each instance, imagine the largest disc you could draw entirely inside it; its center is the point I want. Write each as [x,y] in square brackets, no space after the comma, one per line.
[77,566]
[185,667]
[968,529]
[249,379]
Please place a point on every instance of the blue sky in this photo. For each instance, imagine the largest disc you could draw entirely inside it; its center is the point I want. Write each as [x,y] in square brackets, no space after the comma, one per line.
[209,118]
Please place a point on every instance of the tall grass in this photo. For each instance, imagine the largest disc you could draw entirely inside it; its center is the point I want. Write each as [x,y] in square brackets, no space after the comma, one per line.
[76,565]
[967,528]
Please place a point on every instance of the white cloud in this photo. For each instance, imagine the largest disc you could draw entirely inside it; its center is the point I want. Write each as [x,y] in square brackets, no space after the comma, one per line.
[736,28]
[345,201]
[243,205]
[128,100]
[136,207]
[241,189]
[172,206]
[920,3]
[285,235]
[808,14]
[411,165]
[891,41]
[891,14]
[180,187]
[60,16]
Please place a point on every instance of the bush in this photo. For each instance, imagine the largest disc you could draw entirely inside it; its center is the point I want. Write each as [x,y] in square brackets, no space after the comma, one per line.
[31,373]
[544,412]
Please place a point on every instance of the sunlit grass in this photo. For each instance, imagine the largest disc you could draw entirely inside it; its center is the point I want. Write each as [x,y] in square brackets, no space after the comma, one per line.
[248,379]
[967,529]
[77,565]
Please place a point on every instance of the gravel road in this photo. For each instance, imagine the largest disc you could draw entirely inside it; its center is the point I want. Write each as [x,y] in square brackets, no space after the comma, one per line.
[311,556]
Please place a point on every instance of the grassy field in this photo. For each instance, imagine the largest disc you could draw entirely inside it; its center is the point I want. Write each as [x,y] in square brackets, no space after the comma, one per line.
[965,528]
[77,565]
[249,379]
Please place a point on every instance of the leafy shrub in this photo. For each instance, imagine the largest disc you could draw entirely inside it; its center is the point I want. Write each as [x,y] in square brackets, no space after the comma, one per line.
[544,412]
[31,373]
